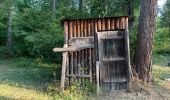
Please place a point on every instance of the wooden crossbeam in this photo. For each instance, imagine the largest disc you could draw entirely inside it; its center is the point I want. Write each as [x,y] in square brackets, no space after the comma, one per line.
[72,48]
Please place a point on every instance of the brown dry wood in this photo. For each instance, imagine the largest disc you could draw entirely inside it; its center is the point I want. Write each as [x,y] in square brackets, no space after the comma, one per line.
[66,31]
[112,24]
[108,24]
[103,24]
[99,25]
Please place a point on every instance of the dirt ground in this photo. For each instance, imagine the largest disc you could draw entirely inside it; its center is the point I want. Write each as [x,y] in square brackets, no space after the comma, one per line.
[139,92]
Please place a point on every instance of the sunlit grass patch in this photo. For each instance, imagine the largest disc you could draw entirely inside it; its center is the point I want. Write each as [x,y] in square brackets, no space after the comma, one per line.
[18,93]
[159,74]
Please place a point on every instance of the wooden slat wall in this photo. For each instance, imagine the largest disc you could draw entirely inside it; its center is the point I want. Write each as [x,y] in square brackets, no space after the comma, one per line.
[83,62]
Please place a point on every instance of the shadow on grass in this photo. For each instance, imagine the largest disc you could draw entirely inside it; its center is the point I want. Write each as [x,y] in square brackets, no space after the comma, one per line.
[6,98]
[28,76]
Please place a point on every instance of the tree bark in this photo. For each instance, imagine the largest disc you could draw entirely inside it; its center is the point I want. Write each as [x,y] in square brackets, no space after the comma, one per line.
[146,30]
[9,30]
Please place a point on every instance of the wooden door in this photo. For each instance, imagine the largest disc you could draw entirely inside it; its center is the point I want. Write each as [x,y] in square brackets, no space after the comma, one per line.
[112,60]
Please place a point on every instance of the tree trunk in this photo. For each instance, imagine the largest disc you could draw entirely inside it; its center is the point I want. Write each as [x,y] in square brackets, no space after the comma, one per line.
[80,5]
[53,3]
[131,14]
[9,31]
[146,30]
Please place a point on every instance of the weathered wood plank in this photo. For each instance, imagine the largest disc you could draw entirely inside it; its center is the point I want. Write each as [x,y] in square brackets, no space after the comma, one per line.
[72,48]
[112,24]
[77,75]
[81,41]
[66,32]
[65,56]
[112,34]
[99,25]
[97,76]
[127,49]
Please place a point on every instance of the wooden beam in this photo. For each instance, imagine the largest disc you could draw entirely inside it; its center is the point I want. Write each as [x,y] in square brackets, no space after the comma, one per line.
[81,41]
[64,64]
[72,48]
[127,49]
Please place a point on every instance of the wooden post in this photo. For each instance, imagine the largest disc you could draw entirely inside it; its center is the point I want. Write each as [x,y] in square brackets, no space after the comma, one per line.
[127,48]
[64,63]
[97,76]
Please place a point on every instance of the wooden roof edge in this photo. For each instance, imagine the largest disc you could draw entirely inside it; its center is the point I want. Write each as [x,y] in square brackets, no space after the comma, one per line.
[73,19]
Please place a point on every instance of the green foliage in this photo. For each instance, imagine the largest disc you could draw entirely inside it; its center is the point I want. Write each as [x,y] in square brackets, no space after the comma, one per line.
[161,41]
[165,15]
[77,92]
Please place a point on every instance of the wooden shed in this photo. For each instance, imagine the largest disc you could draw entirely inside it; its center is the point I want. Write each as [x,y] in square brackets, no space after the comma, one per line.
[96,50]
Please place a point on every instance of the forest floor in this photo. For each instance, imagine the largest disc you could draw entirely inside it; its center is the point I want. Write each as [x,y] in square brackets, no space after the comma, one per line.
[20,79]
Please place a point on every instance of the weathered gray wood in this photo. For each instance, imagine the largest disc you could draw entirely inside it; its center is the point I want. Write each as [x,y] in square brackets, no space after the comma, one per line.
[127,48]
[97,76]
[100,51]
[64,63]
[78,75]
[111,34]
[73,48]
[113,37]
[81,41]
[113,59]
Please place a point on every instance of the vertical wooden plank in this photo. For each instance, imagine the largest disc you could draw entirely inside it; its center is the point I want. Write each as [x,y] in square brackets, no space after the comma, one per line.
[90,50]
[82,51]
[96,40]
[96,25]
[97,75]
[65,56]
[75,53]
[79,52]
[100,50]
[82,32]
[112,24]
[75,29]
[66,32]
[103,24]
[117,23]
[72,55]
[108,24]
[99,25]
[127,48]
[85,51]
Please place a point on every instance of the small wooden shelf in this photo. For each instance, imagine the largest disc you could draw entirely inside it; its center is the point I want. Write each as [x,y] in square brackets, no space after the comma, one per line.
[113,59]
[114,37]
[115,80]
[77,75]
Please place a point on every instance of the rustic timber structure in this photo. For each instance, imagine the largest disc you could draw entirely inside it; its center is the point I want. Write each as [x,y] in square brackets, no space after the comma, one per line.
[96,50]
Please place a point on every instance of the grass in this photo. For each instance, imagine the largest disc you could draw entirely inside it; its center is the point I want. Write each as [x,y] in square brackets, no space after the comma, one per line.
[8,92]
[29,79]
[21,79]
